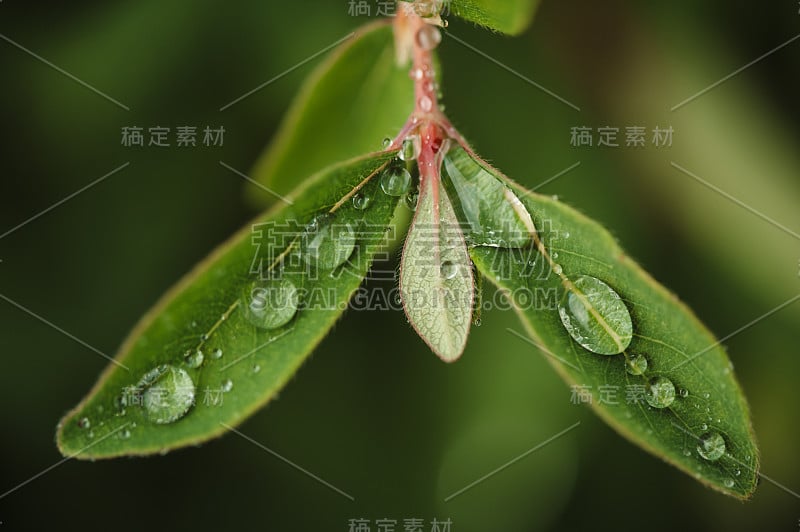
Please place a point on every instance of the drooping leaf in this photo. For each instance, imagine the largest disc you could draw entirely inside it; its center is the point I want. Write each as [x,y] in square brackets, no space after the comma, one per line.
[353,100]
[665,383]
[436,281]
[507,16]
[228,337]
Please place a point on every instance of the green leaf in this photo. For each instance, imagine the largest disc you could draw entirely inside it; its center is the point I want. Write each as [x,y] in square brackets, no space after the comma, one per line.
[436,281]
[357,97]
[228,337]
[507,16]
[669,388]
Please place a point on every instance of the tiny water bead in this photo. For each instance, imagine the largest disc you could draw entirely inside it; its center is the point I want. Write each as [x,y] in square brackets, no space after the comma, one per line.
[271,304]
[256,368]
[425,104]
[711,446]
[660,392]
[728,482]
[227,385]
[395,181]
[84,423]
[361,201]
[169,395]
[409,150]
[194,359]
[386,142]
[327,243]
[636,364]
[429,37]
[683,392]
[411,200]
[596,317]
[216,354]
[449,269]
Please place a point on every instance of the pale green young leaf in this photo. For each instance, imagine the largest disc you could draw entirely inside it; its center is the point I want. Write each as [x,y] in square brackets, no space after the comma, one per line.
[665,383]
[507,16]
[230,335]
[436,280]
[352,101]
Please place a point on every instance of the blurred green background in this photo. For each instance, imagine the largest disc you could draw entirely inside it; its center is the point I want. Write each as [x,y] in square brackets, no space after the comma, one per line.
[373,412]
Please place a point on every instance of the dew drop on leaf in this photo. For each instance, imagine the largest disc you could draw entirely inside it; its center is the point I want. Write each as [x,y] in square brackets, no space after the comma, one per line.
[411,200]
[84,423]
[596,317]
[326,243]
[168,394]
[660,392]
[636,364]
[271,303]
[361,201]
[194,359]
[395,181]
[216,354]
[711,446]
[227,385]
[409,149]
[449,269]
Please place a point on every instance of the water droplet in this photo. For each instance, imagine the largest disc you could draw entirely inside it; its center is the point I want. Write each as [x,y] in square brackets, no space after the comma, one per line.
[271,304]
[687,452]
[683,392]
[703,427]
[566,235]
[216,354]
[477,322]
[557,269]
[227,385]
[416,73]
[90,434]
[706,395]
[411,200]
[360,201]
[737,472]
[449,269]
[425,104]
[256,368]
[169,393]
[84,423]
[395,181]
[711,446]
[596,317]
[387,142]
[729,483]
[429,37]
[194,359]
[660,392]
[326,243]
[124,434]
[636,364]
[555,255]
[410,149]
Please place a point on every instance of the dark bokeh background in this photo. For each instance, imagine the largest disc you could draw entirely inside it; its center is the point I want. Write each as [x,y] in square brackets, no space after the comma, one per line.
[373,412]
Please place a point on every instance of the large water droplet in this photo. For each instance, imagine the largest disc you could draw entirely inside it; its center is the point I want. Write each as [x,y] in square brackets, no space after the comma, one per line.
[409,149]
[395,181]
[429,37]
[361,201]
[596,317]
[271,303]
[326,243]
[636,364]
[660,392]
[711,446]
[168,393]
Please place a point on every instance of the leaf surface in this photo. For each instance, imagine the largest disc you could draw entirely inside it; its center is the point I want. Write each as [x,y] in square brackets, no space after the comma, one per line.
[230,335]
[353,100]
[506,16]
[648,368]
